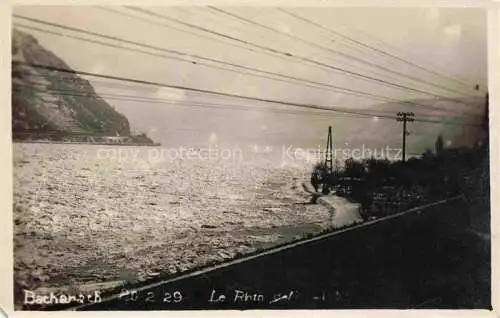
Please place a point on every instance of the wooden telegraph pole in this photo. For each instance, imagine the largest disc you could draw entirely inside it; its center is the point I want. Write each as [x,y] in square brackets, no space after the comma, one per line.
[329,151]
[328,162]
[405,117]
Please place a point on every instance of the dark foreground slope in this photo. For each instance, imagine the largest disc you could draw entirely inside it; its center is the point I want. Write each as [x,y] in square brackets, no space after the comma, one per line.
[431,259]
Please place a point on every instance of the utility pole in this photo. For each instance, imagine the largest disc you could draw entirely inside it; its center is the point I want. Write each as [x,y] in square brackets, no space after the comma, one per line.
[327,185]
[405,117]
[329,151]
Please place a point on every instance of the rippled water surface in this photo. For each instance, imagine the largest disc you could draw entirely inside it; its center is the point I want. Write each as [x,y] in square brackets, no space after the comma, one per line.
[85,214]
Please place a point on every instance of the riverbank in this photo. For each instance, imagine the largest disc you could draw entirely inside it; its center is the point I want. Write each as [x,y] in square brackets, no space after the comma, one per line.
[343,212]
[130,144]
[57,137]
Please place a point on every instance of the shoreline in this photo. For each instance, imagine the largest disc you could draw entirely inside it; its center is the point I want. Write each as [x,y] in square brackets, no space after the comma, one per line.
[343,212]
[157,144]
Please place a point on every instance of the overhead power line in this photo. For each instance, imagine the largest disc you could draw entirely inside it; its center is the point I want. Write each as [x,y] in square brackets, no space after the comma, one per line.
[144,89]
[157,84]
[232,107]
[125,97]
[189,57]
[458,78]
[169,26]
[294,56]
[187,60]
[226,107]
[335,88]
[73,92]
[43,87]
[325,48]
[357,42]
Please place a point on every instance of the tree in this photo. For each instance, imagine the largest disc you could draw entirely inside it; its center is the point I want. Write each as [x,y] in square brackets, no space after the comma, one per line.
[354,169]
[319,175]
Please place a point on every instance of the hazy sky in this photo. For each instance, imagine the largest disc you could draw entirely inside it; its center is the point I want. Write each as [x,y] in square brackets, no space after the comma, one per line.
[446,41]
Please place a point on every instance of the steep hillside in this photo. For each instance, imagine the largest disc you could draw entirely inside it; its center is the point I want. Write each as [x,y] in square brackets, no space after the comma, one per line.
[46,101]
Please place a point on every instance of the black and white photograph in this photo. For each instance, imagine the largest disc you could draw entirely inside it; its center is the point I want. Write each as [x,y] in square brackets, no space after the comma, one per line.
[230,157]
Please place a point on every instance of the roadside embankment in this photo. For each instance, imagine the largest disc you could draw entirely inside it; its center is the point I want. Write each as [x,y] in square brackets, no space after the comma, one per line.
[343,212]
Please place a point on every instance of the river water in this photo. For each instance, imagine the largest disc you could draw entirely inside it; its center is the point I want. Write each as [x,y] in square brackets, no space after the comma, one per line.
[87,213]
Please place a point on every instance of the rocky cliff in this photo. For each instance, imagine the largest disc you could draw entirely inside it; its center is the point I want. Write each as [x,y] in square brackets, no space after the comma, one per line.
[47,101]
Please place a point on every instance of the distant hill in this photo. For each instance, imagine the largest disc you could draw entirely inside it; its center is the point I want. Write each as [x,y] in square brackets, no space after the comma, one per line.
[45,101]
[463,126]
[188,127]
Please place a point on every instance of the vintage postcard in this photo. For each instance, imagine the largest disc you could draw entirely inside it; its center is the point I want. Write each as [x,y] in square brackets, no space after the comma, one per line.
[250,157]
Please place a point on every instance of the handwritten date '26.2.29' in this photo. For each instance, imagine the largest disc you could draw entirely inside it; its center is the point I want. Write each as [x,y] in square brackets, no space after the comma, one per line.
[171,297]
